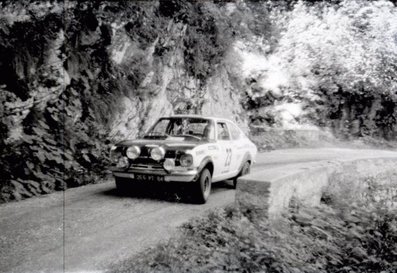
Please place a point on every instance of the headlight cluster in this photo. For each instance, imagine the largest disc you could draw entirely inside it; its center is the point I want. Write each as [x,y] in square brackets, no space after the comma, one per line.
[169,164]
[133,152]
[186,160]
[114,154]
[157,153]
[118,159]
[123,162]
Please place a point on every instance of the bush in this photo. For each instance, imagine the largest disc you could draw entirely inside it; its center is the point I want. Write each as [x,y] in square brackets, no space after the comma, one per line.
[339,60]
[324,239]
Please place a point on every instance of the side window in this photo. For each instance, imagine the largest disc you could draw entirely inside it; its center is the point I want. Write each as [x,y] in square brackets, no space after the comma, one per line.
[223,132]
[234,131]
[209,130]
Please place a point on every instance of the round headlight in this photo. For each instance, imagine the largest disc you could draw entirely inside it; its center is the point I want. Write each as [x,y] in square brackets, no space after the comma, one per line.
[133,152]
[114,155]
[157,153]
[123,162]
[186,160]
[169,164]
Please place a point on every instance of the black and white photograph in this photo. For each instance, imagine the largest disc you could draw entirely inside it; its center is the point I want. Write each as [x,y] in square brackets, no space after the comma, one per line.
[198,136]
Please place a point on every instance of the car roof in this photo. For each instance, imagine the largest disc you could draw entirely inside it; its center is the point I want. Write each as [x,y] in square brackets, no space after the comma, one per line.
[200,116]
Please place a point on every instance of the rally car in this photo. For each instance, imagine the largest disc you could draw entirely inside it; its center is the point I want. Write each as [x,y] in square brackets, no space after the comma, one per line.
[185,148]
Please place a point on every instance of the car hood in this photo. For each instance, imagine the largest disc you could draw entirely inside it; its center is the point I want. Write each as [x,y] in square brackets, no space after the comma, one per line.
[171,143]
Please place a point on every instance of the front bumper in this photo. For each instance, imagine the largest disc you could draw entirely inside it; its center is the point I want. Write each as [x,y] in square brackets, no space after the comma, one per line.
[175,176]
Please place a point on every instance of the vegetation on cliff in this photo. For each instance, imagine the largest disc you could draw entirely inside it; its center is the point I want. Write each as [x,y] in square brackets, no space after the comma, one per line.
[77,75]
[336,64]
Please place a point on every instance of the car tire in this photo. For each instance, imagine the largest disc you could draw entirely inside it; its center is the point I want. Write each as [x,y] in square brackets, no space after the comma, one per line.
[202,187]
[245,170]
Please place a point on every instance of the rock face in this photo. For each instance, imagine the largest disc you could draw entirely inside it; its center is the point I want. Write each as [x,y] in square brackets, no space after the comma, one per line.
[77,77]
[167,88]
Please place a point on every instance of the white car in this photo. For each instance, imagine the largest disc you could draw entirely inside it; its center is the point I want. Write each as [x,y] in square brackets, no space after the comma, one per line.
[185,148]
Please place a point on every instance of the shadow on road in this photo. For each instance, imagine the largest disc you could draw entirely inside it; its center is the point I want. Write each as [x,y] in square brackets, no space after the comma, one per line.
[170,192]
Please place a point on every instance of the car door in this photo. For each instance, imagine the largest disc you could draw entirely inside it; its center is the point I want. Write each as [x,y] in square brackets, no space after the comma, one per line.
[239,148]
[224,158]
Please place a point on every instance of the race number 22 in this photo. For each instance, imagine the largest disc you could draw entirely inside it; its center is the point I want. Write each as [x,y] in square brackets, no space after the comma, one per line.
[228,157]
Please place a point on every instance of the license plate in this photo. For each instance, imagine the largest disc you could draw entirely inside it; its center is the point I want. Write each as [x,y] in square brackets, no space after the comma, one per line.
[149,177]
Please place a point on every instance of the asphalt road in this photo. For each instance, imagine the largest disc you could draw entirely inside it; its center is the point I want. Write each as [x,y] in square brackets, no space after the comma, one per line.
[84,229]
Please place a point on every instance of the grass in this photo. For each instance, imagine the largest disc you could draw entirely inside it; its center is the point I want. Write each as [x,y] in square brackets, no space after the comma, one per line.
[329,238]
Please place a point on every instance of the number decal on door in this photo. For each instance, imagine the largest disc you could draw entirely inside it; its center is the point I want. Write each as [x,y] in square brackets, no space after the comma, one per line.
[228,157]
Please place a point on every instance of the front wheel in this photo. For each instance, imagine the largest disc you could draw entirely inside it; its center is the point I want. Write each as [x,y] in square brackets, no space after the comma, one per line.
[202,187]
[245,170]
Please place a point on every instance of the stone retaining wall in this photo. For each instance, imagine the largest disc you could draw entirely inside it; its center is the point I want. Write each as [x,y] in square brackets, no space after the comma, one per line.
[270,192]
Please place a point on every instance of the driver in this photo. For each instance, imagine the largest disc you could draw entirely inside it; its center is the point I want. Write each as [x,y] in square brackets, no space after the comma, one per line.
[179,127]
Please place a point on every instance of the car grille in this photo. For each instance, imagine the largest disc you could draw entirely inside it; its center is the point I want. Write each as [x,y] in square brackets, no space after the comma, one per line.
[148,167]
[146,161]
[145,152]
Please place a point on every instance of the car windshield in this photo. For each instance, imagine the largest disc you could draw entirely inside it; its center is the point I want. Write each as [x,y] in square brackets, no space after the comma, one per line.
[197,128]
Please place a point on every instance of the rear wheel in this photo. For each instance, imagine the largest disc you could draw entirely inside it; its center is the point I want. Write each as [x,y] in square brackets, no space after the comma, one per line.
[202,187]
[245,170]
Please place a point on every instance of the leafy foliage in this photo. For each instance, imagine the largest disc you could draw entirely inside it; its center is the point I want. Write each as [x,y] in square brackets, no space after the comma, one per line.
[325,239]
[338,60]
